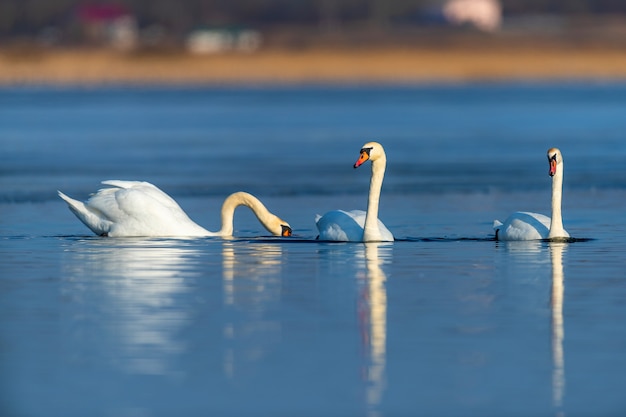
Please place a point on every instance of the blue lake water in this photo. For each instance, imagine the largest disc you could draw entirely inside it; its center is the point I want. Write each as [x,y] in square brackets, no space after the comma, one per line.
[444,321]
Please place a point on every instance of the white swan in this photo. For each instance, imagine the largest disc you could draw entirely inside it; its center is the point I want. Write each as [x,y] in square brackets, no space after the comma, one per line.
[358,225]
[137,208]
[531,226]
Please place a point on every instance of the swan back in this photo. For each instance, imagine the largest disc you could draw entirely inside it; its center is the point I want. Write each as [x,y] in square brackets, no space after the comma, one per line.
[523,226]
[347,226]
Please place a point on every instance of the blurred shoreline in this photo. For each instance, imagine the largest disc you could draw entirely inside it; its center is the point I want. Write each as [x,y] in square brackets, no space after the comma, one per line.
[315,65]
[378,42]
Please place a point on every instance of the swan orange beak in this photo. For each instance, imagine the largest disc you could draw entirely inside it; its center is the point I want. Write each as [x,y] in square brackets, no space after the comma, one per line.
[552,166]
[286,231]
[364,156]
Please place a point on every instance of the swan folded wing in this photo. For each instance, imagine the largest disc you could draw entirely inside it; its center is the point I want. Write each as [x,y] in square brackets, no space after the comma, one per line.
[342,226]
[524,226]
[139,211]
[347,226]
[147,188]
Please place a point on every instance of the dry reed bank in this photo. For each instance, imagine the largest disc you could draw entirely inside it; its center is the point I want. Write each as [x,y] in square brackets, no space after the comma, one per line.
[398,64]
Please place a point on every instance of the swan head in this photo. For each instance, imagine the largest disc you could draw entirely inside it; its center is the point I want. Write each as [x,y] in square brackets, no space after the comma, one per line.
[285,230]
[277,226]
[281,228]
[371,151]
[554,158]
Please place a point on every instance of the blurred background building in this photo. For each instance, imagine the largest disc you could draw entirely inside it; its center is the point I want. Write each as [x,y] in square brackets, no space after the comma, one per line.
[208,26]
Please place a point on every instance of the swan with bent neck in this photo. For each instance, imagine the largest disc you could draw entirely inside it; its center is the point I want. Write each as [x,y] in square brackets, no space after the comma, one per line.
[140,209]
[533,226]
[359,225]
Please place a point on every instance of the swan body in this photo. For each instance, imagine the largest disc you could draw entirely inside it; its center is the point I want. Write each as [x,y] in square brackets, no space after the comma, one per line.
[137,208]
[359,225]
[347,226]
[532,226]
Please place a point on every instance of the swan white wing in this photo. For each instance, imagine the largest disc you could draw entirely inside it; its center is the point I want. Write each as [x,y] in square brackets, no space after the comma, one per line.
[148,189]
[346,226]
[523,226]
[341,226]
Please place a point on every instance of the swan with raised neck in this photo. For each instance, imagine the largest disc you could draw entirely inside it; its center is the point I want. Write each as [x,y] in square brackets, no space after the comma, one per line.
[532,226]
[359,225]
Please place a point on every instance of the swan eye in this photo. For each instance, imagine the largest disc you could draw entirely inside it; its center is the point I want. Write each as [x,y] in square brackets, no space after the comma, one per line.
[285,230]
[366,150]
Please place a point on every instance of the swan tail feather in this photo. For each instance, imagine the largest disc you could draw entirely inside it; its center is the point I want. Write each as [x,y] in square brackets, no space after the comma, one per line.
[90,217]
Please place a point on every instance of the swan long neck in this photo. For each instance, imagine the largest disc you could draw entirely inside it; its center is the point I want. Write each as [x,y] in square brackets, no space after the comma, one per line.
[371,231]
[556,224]
[243,199]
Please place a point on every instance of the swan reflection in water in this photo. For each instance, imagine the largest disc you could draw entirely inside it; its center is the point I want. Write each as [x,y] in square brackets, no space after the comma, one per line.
[373,319]
[139,295]
[558,361]
[251,281]
[140,315]
[527,252]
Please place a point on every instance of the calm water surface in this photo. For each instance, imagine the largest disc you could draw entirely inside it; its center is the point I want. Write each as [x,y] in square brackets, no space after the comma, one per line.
[445,321]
